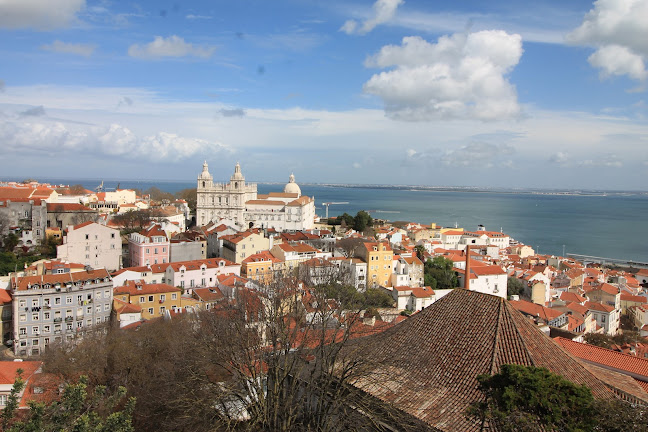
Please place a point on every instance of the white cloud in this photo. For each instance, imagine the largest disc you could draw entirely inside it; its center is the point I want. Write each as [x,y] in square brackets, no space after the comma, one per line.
[478,154]
[383,11]
[559,158]
[618,29]
[38,14]
[172,46]
[195,17]
[608,160]
[618,60]
[461,76]
[114,140]
[81,49]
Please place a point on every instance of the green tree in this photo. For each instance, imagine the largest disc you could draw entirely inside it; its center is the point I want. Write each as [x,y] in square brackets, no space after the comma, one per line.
[514,286]
[10,242]
[439,273]
[362,220]
[81,410]
[190,195]
[347,219]
[420,252]
[12,400]
[527,398]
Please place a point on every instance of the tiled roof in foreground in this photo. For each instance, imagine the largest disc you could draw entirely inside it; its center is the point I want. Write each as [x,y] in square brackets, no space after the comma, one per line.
[427,365]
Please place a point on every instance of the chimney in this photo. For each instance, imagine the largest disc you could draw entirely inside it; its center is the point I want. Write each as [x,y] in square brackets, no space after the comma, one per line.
[467,278]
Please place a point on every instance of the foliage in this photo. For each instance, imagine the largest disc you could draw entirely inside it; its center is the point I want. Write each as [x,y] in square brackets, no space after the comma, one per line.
[619,416]
[527,398]
[350,298]
[362,221]
[9,262]
[81,410]
[260,362]
[190,195]
[9,242]
[13,400]
[349,246]
[77,189]
[134,220]
[420,252]
[157,194]
[606,341]
[514,286]
[48,248]
[439,273]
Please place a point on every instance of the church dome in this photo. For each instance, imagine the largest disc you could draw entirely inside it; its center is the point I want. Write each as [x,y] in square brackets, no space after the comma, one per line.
[292,187]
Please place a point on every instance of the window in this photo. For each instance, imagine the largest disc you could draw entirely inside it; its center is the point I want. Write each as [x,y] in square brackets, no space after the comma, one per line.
[87,237]
[148,250]
[112,235]
[57,300]
[150,311]
[22,303]
[142,298]
[79,324]
[22,330]
[23,317]
[162,297]
[107,307]
[46,315]
[68,300]
[150,298]
[3,400]
[35,330]
[35,316]
[46,329]
[34,302]
[174,296]
[162,309]
[98,295]
[156,251]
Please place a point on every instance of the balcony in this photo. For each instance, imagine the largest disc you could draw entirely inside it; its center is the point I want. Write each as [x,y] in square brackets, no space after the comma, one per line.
[69,319]
[58,319]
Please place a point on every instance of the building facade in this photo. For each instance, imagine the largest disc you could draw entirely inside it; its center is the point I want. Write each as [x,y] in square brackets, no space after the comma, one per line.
[58,308]
[239,202]
[149,246]
[91,244]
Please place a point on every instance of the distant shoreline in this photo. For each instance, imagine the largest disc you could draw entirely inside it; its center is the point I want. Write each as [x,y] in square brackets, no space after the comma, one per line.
[411,188]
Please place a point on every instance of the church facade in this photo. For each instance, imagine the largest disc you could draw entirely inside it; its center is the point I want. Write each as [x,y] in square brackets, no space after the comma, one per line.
[239,202]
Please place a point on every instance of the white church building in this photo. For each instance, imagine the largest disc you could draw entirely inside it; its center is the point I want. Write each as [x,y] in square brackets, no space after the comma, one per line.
[239,202]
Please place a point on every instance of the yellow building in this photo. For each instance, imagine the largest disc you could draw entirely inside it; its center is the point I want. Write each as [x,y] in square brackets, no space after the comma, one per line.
[153,299]
[261,267]
[379,258]
[237,247]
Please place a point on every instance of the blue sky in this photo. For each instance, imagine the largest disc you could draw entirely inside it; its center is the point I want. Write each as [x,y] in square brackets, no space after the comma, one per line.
[472,93]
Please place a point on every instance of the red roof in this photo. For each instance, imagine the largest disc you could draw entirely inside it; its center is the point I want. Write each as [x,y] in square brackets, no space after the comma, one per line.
[5,297]
[29,281]
[136,288]
[603,356]
[536,310]
[122,307]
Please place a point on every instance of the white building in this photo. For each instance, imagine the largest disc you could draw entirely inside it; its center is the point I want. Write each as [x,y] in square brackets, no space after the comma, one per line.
[199,273]
[487,279]
[238,200]
[91,244]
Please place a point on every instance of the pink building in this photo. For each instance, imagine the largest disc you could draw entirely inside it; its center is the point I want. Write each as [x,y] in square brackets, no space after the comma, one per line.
[149,246]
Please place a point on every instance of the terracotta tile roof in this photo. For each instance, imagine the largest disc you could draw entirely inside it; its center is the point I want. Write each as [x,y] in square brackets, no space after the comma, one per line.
[610,289]
[567,296]
[303,200]
[30,281]
[633,298]
[535,310]
[5,297]
[208,294]
[67,207]
[8,370]
[197,264]
[137,288]
[576,307]
[599,307]
[265,202]
[261,257]
[607,358]
[122,307]
[422,292]
[619,381]
[457,338]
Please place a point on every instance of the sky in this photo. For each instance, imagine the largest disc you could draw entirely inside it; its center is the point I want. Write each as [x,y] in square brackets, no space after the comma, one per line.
[543,94]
